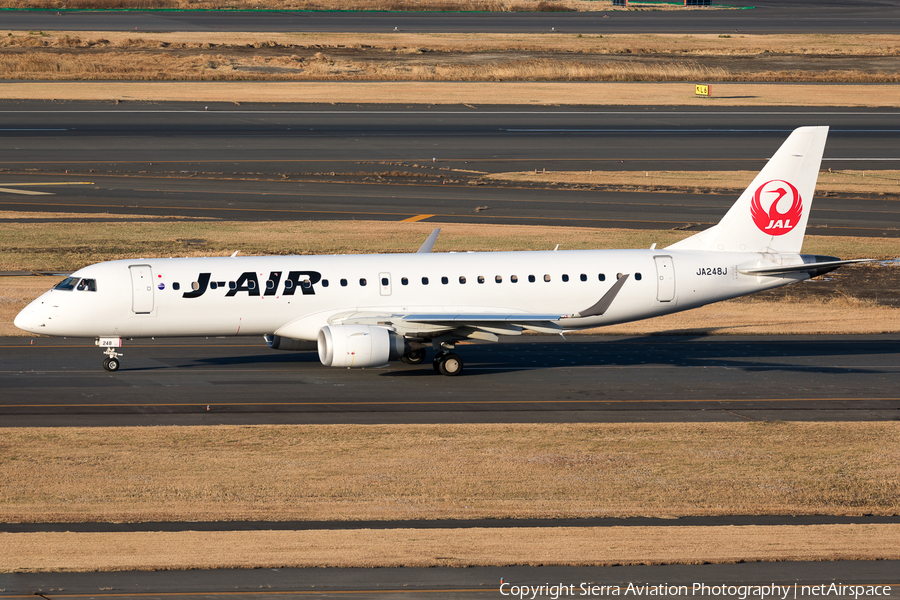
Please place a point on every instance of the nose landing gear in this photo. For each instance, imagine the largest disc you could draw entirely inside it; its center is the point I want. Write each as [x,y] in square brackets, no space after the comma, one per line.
[111,363]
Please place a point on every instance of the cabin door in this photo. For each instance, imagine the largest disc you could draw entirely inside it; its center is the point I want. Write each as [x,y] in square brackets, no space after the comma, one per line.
[141,289]
[665,278]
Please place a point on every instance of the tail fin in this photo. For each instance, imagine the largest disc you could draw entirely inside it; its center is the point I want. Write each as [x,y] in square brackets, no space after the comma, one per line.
[771,214]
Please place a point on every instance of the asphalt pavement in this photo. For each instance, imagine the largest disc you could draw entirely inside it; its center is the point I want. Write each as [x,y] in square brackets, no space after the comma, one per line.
[748,16]
[61,382]
[312,162]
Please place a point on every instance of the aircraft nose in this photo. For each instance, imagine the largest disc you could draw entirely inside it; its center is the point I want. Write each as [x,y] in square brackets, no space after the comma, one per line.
[27,319]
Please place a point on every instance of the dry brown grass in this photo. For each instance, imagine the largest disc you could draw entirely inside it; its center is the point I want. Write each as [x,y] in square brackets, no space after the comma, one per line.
[573,44]
[565,546]
[351,472]
[474,93]
[69,246]
[424,57]
[846,182]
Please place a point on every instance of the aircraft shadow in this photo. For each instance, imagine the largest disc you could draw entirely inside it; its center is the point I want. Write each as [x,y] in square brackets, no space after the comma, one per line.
[809,356]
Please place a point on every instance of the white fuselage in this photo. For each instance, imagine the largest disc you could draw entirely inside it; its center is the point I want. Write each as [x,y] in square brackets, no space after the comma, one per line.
[296,296]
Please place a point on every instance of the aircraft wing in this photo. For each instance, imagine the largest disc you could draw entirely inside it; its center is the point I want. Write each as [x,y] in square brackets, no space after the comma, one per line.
[484,326]
[490,322]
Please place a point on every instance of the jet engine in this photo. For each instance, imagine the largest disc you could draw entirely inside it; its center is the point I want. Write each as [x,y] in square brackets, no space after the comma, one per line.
[358,346]
[277,342]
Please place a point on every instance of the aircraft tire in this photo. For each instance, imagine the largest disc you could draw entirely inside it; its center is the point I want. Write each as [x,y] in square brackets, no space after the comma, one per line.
[451,365]
[414,357]
[111,364]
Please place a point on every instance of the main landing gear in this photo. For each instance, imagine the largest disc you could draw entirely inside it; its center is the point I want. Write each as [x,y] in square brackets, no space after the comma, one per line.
[414,357]
[111,363]
[448,363]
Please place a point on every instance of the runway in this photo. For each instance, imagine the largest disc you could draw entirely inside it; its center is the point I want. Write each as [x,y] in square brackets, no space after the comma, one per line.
[532,379]
[767,17]
[445,583]
[394,163]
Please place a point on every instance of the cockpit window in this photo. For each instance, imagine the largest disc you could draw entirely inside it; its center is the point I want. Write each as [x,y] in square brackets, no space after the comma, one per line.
[67,284]
[87,285]
[77,283]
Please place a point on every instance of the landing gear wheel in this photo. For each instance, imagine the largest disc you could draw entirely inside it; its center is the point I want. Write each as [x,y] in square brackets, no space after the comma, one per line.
[450,364]
[111,364]
[414,357]
[437,361]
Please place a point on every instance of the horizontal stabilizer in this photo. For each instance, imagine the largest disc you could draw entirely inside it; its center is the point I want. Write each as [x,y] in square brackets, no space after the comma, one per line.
[813,268]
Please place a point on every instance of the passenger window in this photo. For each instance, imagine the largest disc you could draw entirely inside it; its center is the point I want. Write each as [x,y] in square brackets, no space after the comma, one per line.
[403,281]
[481,279]
[546,277]
[176,286]
[306,284]
[514,278]
[195,286]
[531,279]
[212,285]
[67,284]
[565,277]
[637,276]
[232,285]
[384,281]
[444,280]
[618,276]
[270,285]
[288,284]
[601,277]
[362,282]
[324,283]
[584,276]
[343,283]
[251,285]
[498,279]
[424,281]
[462,278]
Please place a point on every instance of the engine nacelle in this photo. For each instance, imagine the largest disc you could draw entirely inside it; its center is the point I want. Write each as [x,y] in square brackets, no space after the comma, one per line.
[358,346]
[276,342]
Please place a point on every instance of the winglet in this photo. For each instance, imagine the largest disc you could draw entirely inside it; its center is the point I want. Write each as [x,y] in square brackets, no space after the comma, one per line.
[603,304]
[426,247]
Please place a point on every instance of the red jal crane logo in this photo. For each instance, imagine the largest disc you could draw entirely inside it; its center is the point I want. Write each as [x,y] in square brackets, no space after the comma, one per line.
[776,194]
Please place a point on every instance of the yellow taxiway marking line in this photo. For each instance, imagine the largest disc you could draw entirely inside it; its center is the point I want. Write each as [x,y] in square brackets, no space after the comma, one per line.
[439,402]
[24,192]
[54,183]
[416,218]
[7,190]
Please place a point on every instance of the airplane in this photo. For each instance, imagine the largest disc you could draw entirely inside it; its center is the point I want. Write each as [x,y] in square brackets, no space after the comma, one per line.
[366,310]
